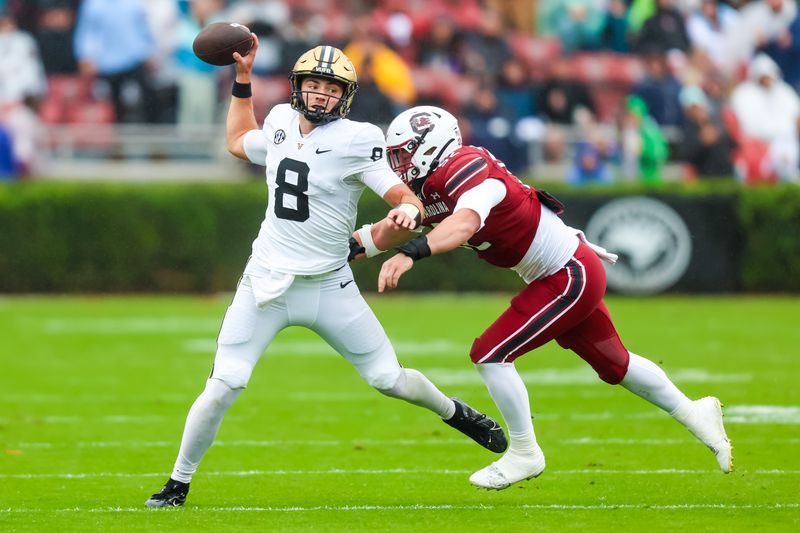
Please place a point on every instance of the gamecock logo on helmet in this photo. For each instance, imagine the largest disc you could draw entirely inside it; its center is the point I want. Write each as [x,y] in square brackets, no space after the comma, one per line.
[421,122]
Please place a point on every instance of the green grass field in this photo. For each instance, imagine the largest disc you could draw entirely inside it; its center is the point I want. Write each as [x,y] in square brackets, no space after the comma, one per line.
[95,391]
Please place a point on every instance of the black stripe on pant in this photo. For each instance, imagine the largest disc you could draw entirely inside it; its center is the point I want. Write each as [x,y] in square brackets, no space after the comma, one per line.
[564,301]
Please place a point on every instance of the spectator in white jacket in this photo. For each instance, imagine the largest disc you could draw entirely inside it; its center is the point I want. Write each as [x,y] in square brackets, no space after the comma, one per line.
[711,30]
[21,69]
[760,22]
[768,109]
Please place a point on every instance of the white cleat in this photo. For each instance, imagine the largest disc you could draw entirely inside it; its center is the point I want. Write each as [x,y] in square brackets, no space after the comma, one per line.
[703,418]
[508,470]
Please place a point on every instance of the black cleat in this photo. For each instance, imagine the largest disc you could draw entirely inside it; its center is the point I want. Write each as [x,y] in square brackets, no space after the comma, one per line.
[172,495]
[479,427]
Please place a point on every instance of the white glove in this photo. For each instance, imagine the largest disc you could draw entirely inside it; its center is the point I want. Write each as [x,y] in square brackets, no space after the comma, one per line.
[601,252]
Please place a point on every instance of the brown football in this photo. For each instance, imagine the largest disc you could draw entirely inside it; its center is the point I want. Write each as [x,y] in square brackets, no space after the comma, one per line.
[217,42]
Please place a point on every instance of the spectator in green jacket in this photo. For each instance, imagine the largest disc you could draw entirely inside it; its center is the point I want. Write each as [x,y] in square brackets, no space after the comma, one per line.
[577,23]
[644,147]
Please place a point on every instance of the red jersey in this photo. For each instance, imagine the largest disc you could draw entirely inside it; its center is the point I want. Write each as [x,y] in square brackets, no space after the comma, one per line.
[502,241]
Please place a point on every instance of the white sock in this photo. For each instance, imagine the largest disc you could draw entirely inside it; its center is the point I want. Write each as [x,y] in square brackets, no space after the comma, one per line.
[683,413]
[202,425]
[511,397]
[415,388]
[646,380]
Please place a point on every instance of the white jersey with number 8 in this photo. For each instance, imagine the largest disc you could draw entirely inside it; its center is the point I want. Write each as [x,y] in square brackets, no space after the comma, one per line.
[314,183]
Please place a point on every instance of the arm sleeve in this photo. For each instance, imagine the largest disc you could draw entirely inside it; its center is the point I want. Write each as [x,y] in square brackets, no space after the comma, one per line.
[255,147]
[366,160]
[482,198]
[380,180]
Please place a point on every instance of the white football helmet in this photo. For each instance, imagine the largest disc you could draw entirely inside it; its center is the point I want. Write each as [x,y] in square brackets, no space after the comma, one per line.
[418,139]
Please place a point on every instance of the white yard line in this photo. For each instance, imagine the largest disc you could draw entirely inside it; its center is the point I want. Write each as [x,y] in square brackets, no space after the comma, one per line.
[115,326]
[246,443]
[735,414]
[303,396]
[252,443]
[74,419]
[480,507]
[187,398]
[766,414]
[29,397]
[578,375]
[386,471]
[319,348]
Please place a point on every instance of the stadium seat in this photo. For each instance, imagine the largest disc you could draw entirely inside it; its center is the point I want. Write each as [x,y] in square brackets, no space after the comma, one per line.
[607,101]
[751,156]
[624,69]
[608,68]
[537,53]
[69,88]
[51,111]
[337,27]
[63,92]
[591,68]
[453,90]
[458,90]
[94,121]
[267,92]
[87,112]
[425,80]
[70,100]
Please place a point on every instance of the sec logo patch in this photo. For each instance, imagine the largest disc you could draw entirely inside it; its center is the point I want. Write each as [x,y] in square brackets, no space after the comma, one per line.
[280,136]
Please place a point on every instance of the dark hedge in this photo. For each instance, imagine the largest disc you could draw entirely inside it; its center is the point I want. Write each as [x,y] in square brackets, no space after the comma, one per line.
[75,237]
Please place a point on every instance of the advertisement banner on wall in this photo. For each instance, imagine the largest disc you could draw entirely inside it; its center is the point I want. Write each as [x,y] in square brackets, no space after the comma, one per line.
[665,243]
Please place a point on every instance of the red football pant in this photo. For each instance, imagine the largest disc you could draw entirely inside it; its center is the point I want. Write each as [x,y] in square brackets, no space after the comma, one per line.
[568,307]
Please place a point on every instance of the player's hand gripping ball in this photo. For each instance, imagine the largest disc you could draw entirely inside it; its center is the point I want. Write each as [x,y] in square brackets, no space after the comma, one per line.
[217,42]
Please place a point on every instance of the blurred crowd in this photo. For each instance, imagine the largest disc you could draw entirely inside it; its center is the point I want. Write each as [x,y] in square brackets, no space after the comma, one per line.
[613,89]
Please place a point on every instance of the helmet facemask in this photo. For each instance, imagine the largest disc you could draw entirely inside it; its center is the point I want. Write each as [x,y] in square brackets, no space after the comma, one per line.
[401,158]
[319,115]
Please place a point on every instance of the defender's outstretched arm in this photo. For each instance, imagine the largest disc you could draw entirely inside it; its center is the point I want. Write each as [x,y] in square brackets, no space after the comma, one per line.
[397,228]
[452,232]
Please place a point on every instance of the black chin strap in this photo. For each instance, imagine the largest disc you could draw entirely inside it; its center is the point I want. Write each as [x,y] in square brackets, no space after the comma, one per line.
[417,183]
[317,116]
[436,160]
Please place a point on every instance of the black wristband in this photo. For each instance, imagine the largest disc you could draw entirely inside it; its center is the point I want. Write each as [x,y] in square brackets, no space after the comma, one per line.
[354,249]
[417,248]
[242,90]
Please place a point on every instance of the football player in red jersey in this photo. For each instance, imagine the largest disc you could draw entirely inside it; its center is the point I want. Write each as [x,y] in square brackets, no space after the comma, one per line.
[472,200]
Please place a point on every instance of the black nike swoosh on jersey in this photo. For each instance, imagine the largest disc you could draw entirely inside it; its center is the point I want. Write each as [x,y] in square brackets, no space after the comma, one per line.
[323,151]
[345,283]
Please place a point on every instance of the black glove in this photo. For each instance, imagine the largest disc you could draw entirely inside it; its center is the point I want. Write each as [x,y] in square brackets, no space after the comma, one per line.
[355,249]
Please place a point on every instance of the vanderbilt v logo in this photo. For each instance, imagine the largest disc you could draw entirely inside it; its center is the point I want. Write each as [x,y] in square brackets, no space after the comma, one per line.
[299,145]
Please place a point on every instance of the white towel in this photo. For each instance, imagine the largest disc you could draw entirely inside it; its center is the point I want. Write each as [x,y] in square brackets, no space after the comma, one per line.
[268,285]
[601,252]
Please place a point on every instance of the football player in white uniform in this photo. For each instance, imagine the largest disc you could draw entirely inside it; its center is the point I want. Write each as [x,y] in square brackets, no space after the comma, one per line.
[317,165]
